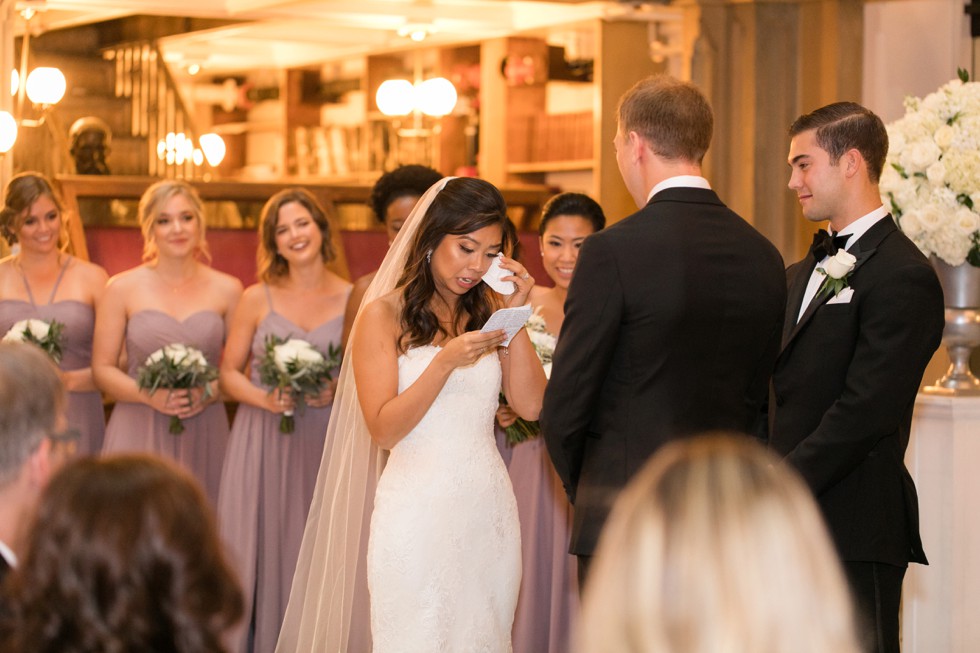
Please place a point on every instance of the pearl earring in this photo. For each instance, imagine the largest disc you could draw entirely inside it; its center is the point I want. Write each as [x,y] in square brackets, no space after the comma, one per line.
[428,257]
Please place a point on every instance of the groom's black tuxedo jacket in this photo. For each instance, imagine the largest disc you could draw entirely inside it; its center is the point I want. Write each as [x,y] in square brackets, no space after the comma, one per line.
[843,390]
[672,325]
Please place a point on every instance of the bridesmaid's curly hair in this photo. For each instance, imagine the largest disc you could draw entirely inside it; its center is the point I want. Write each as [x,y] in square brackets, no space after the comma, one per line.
[462,207]
[123,555]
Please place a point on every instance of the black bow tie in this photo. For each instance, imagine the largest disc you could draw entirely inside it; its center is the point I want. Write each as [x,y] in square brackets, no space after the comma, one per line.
[826,245]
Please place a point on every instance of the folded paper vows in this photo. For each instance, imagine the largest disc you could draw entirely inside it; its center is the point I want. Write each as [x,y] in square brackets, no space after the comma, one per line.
[510,320]
[492,278]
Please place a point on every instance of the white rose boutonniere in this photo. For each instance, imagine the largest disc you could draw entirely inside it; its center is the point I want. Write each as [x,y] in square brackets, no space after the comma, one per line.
[837,272]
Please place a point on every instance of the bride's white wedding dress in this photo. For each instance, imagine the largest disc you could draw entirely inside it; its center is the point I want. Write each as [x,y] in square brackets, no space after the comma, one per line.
[444,553]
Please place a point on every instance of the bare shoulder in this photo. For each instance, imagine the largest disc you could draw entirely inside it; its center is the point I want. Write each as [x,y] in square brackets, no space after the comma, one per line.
[223,280]
[362,283]
[385,307]
[253,304]
[227,285]
[89,272]
[254,296]
[127,280]
[337,283]
[538,295]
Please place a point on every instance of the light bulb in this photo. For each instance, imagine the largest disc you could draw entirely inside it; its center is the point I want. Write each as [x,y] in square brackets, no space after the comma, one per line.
[46,85]
[214,149]
[436,97]
[8,131]
[395,97]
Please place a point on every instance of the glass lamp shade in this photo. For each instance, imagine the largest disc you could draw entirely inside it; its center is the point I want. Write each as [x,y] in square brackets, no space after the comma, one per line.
[214,149]
[8,131]
[14,81]
[46,85]
[436,97]
[395,97]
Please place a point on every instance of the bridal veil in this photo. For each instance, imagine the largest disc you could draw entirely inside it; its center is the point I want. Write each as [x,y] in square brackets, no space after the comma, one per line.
[329,610]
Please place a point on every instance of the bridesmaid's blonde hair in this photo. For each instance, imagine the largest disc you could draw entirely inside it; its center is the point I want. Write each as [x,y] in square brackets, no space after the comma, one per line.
[151,204]
[716,546]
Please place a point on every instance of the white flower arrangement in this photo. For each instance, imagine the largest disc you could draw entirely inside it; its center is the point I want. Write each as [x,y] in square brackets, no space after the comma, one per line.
[931,178]
[46,335]
[544,342]
[296,366]
[174,367]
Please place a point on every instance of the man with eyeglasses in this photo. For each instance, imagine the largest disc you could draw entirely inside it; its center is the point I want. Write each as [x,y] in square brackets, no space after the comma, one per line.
[33,443]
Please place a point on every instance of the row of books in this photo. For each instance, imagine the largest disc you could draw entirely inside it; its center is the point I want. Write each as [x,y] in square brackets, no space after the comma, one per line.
[550,137]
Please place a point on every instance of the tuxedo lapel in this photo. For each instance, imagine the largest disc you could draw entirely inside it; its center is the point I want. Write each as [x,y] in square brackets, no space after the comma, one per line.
[862,250]
[794,299]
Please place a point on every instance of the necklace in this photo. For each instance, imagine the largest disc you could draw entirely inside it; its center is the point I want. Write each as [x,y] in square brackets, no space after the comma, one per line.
[174,288]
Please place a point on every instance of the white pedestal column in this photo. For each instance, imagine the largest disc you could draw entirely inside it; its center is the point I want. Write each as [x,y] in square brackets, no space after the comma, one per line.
[941,602]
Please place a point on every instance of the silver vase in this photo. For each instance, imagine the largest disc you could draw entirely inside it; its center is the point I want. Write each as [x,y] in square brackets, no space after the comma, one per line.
[961,288]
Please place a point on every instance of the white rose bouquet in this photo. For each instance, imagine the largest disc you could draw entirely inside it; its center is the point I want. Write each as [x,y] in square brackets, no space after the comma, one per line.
[931,178]
[176,367]
[296,366]
[544,346]
[46,335]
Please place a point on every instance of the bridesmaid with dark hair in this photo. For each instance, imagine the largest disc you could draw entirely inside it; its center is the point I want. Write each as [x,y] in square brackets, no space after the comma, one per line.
[548,602]
[44,282]
[174,297]
[269,476]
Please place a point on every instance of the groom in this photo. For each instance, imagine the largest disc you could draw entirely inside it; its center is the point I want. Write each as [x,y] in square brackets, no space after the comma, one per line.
[852,359]
[673,318]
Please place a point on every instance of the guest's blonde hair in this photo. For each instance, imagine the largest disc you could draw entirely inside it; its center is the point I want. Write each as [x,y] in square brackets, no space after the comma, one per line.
[716,547]
[151,203]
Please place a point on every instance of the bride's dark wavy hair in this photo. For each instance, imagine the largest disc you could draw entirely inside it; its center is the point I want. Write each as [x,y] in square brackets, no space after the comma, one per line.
[462,207]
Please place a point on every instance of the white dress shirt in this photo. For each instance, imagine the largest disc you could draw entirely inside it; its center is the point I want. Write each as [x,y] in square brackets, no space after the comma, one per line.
[8,554]
[853,231]
[680,181]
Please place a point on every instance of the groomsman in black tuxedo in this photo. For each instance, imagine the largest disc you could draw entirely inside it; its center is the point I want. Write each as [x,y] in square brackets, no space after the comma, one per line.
[854,351]
[32,403]
[673,318]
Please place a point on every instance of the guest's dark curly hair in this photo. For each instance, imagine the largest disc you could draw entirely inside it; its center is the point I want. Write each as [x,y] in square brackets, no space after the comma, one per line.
[403,181]
[123,556]
[462,207]
[577,204]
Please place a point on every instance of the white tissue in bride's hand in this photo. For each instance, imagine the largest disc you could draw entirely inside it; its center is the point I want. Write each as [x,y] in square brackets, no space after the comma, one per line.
[493,275]
[510,320]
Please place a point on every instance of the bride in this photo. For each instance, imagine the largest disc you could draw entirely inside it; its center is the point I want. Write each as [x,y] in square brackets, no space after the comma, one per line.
[443,561]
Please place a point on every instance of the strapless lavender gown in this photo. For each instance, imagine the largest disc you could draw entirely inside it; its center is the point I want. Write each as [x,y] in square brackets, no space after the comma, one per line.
[548,604]
[266,489]
[84,411]
[137,427]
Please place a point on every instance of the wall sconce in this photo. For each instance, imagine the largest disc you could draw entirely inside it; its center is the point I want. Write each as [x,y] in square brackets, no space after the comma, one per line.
[44,87]
[434,97]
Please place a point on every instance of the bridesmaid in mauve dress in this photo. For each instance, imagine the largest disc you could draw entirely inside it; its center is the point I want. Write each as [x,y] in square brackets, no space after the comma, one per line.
[32,219]
[548,603]
[269,476]
[171,298]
